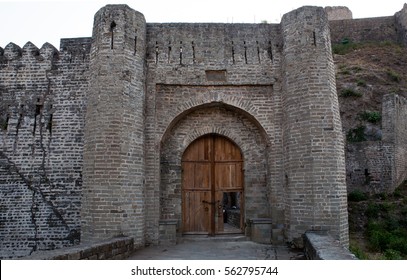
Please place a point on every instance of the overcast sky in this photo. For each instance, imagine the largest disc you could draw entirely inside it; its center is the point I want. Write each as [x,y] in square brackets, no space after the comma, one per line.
[48,21]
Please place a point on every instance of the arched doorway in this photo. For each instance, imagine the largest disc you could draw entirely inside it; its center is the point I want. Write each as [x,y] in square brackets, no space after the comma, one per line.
[212,187]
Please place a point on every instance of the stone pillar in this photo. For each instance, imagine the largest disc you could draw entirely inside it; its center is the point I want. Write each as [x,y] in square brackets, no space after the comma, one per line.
[401,25]
[113,173]
[315,181]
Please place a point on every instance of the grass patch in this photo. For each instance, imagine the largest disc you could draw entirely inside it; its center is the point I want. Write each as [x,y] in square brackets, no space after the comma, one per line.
[358,252]
[345,47]
[357,69]
[357,196]
[395,77]
[361,83]
[356,134]
[345,72]
[386,230]
[348,92]
[371,116]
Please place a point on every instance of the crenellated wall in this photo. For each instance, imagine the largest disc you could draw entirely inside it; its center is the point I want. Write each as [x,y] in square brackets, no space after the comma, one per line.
[92,135]
[42,105]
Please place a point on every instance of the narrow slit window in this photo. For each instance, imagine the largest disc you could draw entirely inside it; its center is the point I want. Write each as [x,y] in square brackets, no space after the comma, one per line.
[169,52]
[49,124]
[156,52]
[245,52]
[38,108]
[180,53]
[20,116]
[315,38]
[233,53]
[258,51]
[193,52]
[270,51]
[112,27]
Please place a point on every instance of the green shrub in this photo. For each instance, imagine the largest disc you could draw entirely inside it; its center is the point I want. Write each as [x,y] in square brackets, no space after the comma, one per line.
[348,92]
[345,72]
[372,211]
[356,134]
[371,116]
[361,83]
[358,252]
[395,77]
[379,240]
[345,47]
[381,196]
[357,69]
[391,254]
[397,193]
[357,195]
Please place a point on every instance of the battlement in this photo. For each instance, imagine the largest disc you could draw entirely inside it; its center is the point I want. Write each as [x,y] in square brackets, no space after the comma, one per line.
[93,134]
[70,50]
[29,51]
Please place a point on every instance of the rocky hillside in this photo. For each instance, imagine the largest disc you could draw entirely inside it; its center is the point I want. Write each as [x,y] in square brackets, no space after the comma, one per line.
[366,72]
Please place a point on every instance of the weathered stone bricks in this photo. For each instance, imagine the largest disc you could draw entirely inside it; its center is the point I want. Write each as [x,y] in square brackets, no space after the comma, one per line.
[92,136]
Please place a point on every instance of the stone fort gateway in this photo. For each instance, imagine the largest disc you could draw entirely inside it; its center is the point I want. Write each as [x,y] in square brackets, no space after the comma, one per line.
[155,131]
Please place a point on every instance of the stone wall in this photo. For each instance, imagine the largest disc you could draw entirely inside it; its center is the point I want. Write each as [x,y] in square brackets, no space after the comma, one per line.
[379,29]
[114,249]
[42,105]
[401,19]
[380,166]
[394,135]
[212,78]
[314,163]
[113,189]
[322,246]
[338,13]
[369,166]
[149,90]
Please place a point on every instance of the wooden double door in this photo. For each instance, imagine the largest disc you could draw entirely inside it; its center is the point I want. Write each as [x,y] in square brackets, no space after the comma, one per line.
[212,187]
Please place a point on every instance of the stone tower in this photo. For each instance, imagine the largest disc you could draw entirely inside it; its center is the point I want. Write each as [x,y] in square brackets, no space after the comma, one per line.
[113,172]
[313,142]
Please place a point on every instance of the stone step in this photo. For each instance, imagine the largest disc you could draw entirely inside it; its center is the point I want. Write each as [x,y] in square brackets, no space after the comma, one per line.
[216,238]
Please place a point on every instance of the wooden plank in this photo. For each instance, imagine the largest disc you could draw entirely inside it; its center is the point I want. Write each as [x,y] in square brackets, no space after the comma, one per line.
[196,213]
[211,166]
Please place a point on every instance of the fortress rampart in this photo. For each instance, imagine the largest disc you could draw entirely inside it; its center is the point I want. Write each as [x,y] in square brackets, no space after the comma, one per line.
[92,135]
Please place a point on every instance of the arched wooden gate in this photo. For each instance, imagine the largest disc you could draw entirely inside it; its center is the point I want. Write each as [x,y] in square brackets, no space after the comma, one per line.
[212,186]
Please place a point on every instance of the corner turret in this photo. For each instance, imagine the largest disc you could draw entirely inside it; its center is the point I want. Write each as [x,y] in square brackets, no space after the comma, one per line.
[313,139]
[113,188]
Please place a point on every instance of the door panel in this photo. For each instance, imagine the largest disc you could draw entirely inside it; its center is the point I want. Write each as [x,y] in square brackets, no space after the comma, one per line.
[228,176]
[196,213]
[212,166]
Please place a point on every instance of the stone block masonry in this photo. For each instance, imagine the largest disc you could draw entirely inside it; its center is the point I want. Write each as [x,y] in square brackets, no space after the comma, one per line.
[42,105]
[381,166]
[395,136]
[92,136]
[112,249]
[113,190]
[314,163]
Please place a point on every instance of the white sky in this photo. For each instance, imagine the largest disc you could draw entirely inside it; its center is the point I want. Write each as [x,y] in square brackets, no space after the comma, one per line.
[49,21]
